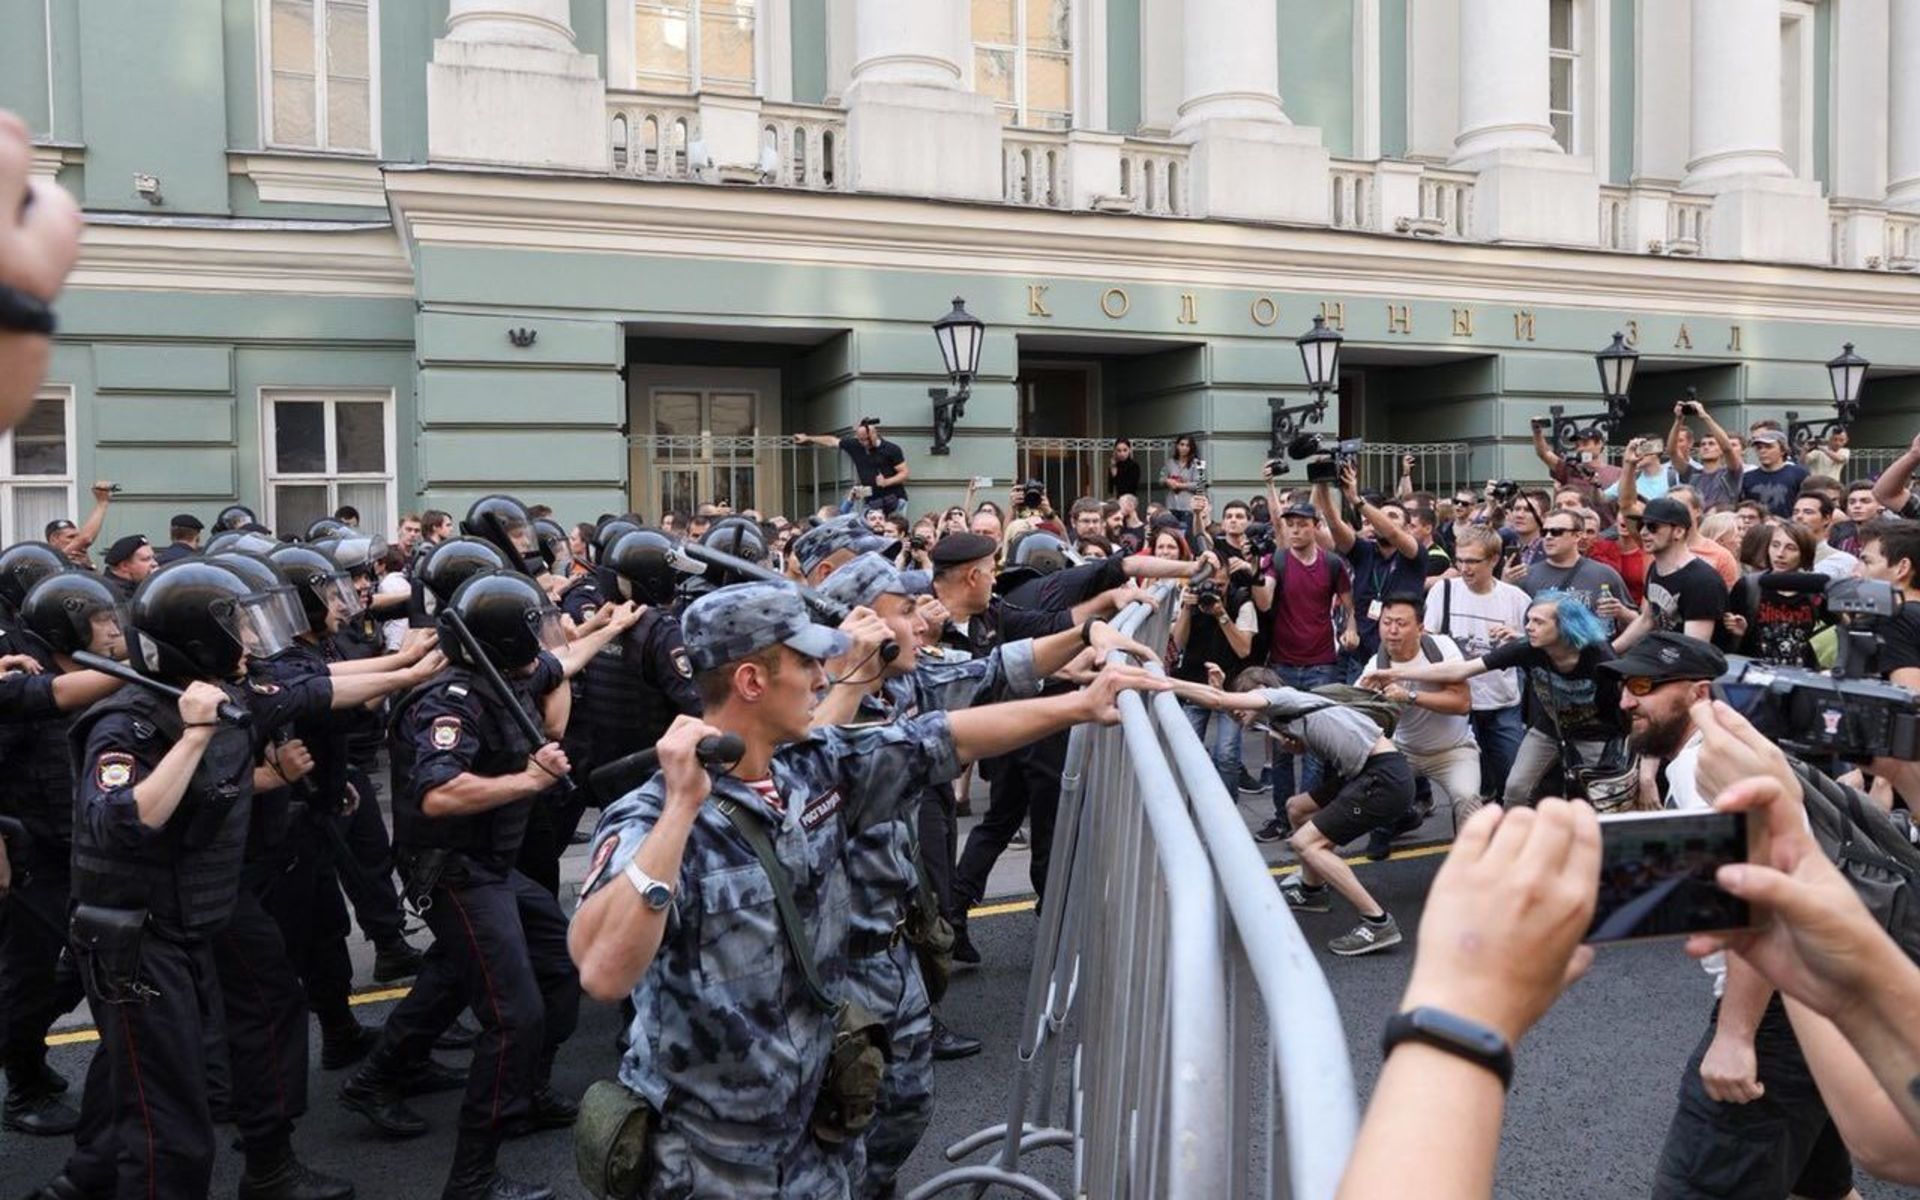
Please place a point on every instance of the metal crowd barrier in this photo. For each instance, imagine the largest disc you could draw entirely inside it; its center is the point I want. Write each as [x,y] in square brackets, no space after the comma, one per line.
[1144,1008]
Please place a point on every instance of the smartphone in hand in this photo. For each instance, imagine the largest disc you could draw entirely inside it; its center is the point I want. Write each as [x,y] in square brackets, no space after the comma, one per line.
[1657,874]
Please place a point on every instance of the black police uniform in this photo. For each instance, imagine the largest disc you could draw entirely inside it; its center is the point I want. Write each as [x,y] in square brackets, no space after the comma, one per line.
[366,867]
[37,984]
[634,687]
[123,588]
[500,940]
[154,987]
[173,552]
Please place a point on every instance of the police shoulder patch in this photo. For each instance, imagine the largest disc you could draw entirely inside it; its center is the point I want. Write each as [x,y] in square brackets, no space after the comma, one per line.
[445,733]
[265,689]
[819,808]
[113,769]
[681,663]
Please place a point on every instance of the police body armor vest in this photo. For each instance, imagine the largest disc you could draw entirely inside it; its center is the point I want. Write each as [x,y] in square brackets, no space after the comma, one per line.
[37,785]
[492,837]
[188,877]
[624,710]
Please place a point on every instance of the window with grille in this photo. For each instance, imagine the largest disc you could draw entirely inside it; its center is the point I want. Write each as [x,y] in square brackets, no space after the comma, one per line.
[36,468]
[1023,58]
[1563,58]
[319,90]
[686,46]
[325,450]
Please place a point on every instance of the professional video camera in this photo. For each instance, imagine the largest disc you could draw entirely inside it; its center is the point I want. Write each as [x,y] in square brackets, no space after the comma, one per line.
[1822,718]
[1261,540]
[1324,458]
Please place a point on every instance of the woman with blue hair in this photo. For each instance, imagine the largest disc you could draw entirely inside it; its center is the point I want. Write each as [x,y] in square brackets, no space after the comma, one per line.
[1576,707]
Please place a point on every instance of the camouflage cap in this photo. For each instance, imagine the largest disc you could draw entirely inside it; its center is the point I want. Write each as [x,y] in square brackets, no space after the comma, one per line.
[869,577]
[729,623]
[845,532]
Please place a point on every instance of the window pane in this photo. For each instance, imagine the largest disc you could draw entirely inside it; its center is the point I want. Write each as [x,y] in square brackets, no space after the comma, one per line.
[678,490]
[993,73]
[40,441]
[349,92]
[296,506]
[732,414]
[993,21]
[1560,85]
[33,507]
[347,105]
[292,33]
[726,46]
[1049,88]
[734,484]
[299,438]
[1047,24]
[660,45]
[360,437]
[293,110]
[1560,24]
[293,73]
[371,500]
[347,39]
[676,414]
[1563,131]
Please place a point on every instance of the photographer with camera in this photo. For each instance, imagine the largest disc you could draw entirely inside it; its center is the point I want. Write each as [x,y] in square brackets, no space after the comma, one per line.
[880,464]
[1716,478]
[1216,623]
[1588,462]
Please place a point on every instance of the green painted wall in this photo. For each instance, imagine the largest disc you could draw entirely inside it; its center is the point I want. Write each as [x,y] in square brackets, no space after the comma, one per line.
[1123,65]
[171,58]
[1316,69]
[809,26]
[1823,95]
[1393,78]
[590,29]
[23,62]
[66,72]
[240,21]
[407,30]
[1620,94]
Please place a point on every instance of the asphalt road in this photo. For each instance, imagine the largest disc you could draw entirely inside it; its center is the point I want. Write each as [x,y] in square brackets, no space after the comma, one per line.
[1591,1098]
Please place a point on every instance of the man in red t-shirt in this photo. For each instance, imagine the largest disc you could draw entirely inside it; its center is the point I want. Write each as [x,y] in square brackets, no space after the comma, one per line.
[1303,587]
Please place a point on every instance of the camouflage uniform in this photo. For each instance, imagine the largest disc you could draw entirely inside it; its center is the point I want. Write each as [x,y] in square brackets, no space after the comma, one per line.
[845,532]
[727,1047]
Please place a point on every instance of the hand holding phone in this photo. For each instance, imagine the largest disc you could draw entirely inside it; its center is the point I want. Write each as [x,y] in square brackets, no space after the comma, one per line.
[1659,873]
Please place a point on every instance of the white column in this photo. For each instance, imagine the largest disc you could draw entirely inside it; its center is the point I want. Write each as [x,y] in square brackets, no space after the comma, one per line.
[507,86]
[1503,78]
[1232,63]
[912,125]
[1735,105]
[1903,117]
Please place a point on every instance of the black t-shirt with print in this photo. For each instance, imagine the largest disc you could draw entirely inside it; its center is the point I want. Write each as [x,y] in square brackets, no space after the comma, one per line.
[1582,705]
[1695,592]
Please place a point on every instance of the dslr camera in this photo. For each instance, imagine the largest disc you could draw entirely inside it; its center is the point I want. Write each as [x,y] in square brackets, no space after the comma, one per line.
[1031,493]
[1206,595]
[1503,490]
[1324,458]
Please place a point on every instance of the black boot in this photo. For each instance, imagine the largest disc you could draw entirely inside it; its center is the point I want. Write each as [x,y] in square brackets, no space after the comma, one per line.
[474,1176]
[276,1173]
[38,1113]
[59,1188]
[345,1043]
[948,1045]
[377,1091]
[963,951]
[430,1076]
[548,1110]
[395,960]
[459,1036]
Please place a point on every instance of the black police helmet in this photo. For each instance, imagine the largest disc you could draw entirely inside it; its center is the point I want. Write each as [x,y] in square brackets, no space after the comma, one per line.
[741,537]
[1034,555]
[317,581]
[609,531]
[551,537]
[452,563]
[508,616]
[327,527]
[25,564]
[235,516]
[186,621]
[60,610]
[643,562]
[504,522]
[242,541]
[262,575]
[353,552]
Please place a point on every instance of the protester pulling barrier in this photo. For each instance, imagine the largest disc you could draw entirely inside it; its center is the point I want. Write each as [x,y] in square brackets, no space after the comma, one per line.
[1146,1115]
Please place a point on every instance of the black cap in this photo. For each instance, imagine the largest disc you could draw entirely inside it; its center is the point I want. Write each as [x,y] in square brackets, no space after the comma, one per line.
[125,548]
[1665,511]
[958,548]
[61,525]
[1665,656]
[1300,510]
[185,521]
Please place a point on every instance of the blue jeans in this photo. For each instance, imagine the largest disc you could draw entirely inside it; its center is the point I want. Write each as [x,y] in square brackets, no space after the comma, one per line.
[1311,767]
[1223,747]
[1499,732]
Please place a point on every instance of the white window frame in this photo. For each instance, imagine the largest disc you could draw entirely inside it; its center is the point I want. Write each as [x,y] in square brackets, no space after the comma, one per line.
[263,20]
[1572,54]
[270,478]
[1021,109]
[10,481]
[772,49]
[1796,142]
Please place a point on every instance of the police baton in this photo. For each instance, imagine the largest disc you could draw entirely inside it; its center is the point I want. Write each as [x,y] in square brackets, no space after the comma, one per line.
[229,712]
[622,775]
[827,611]
[470,646]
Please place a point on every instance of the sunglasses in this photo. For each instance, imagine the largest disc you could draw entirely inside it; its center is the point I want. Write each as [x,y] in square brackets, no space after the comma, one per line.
[1640,685]
[1558,530]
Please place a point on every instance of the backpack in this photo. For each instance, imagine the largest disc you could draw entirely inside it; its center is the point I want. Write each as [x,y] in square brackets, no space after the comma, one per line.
[1383,712]
[1341,568]
[1872,850]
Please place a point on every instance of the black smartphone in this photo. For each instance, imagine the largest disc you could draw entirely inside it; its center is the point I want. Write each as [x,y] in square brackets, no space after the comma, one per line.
[1657,874]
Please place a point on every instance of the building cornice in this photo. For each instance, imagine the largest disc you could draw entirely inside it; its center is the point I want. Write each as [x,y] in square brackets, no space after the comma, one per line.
[474,208]
[288,258]
[282,177]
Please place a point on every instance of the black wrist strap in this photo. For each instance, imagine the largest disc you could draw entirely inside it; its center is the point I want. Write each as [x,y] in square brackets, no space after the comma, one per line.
[1454,1034]
[1086,631]
[21,313]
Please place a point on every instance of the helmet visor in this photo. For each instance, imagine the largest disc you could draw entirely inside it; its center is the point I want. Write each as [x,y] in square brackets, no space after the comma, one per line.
[258,621]
[103,634]
[551,631]
[337,593]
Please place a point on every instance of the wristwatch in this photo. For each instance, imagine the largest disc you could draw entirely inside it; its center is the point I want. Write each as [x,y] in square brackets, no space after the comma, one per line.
[654,894]
[22,313]
[1456,1035]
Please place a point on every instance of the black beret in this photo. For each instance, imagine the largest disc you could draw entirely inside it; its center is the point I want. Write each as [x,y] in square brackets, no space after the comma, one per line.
[957,548]
[124,549]
[185,521]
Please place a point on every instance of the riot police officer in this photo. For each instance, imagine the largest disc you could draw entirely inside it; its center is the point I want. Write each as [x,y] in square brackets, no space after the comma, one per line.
[465,780]
[64,613]
[22,565]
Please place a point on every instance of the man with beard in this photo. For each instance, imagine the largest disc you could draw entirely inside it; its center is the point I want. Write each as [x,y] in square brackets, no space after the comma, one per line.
[1750,1120]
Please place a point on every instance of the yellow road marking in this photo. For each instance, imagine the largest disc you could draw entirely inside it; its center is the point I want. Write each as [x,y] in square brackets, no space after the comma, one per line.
[74,1037]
